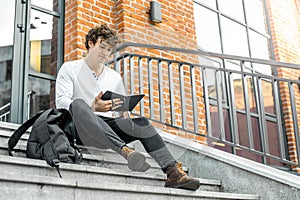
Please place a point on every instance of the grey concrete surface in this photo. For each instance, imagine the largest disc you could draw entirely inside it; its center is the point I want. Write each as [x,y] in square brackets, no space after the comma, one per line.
[41,187]
[188,156]
[237,174]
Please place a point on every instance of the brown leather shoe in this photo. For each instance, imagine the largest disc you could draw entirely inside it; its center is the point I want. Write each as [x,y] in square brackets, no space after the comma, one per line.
[177,178]
[136,160]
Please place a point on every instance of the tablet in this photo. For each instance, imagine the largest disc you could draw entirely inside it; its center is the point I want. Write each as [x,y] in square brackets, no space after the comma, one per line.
[129,101]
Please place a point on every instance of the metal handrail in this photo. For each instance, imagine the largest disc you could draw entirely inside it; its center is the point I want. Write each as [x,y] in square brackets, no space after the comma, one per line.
[5,107]
[5,115]
[209,54]
[129,63]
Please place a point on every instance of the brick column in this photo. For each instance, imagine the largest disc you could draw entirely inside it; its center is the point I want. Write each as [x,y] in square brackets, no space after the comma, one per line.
[285,29]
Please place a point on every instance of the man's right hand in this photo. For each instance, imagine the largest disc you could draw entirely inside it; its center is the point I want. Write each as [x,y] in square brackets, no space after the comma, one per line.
[100,105]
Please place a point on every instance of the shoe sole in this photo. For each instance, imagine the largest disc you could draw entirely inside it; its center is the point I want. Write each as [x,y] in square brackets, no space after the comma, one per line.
[137,162]
[189,185]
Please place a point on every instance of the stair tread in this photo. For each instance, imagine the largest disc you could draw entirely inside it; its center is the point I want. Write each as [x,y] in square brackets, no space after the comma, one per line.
[9,126]
[69,182]
[92,169]
[113,158]
[101,179]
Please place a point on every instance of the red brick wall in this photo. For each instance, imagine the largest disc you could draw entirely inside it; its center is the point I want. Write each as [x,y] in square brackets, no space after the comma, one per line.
[80,16]
[131,19]
[285,27]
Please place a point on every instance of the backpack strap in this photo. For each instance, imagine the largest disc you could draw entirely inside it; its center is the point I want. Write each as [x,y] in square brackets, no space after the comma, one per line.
[13,140]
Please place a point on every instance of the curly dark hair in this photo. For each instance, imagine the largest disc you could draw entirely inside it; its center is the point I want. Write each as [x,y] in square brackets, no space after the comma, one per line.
[104,32]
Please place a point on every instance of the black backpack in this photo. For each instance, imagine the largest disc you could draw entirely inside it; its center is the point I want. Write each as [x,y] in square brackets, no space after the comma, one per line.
[52,138]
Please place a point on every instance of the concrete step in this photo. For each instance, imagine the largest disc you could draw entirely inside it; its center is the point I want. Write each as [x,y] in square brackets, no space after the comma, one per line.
[103,174]
[104,158]
[16,186]
[92,156]
[95,174]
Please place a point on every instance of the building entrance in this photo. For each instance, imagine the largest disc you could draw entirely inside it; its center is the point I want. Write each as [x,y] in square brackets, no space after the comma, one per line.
[31,50]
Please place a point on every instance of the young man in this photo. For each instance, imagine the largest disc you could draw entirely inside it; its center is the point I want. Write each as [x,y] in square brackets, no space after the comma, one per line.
[79,88]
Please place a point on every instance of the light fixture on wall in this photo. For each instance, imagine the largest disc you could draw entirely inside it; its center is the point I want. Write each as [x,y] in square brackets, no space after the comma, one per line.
[155,12]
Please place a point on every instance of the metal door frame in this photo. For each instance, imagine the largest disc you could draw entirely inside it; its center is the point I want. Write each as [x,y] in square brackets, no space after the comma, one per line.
[21,52]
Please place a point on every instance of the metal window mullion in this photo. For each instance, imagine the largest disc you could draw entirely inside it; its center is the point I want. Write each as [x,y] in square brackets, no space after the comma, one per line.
[43,10]
[41,75]
[182,96]
[26,65]
[278,119]
[141,84]
[205,6]
[247,108]
[61,38]
[194,98]
[150,87]
[243,24]
[161,91]
[219,103]
[247,28]
[233,110]
[131,68]
[171,89]
[267,36]
[251,114]
[295,118]
[220,28]
[262,118]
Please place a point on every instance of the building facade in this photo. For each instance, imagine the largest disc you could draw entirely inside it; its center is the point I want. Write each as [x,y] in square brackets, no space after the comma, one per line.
[41,35]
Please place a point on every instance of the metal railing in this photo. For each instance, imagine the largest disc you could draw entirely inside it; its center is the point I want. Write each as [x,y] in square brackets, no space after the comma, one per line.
[5,109]
[255,129]
[5,112]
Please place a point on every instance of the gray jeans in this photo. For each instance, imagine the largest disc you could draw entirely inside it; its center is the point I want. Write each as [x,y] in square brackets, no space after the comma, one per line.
[114,133]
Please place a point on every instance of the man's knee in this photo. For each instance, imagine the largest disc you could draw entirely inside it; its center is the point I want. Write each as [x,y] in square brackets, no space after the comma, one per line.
[141,121]
[78,104]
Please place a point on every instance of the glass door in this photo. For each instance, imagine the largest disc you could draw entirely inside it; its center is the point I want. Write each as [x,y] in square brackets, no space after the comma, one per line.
[31,51]
[45,53]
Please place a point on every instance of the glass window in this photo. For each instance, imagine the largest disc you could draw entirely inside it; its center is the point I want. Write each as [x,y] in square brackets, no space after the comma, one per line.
[40,94]
[258,46]
[234,38]
[210,3]
[47,4]
[259,49]
[43,42]
[257,20]
[238,28]
[232,8]
[229,36]
[207,29]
